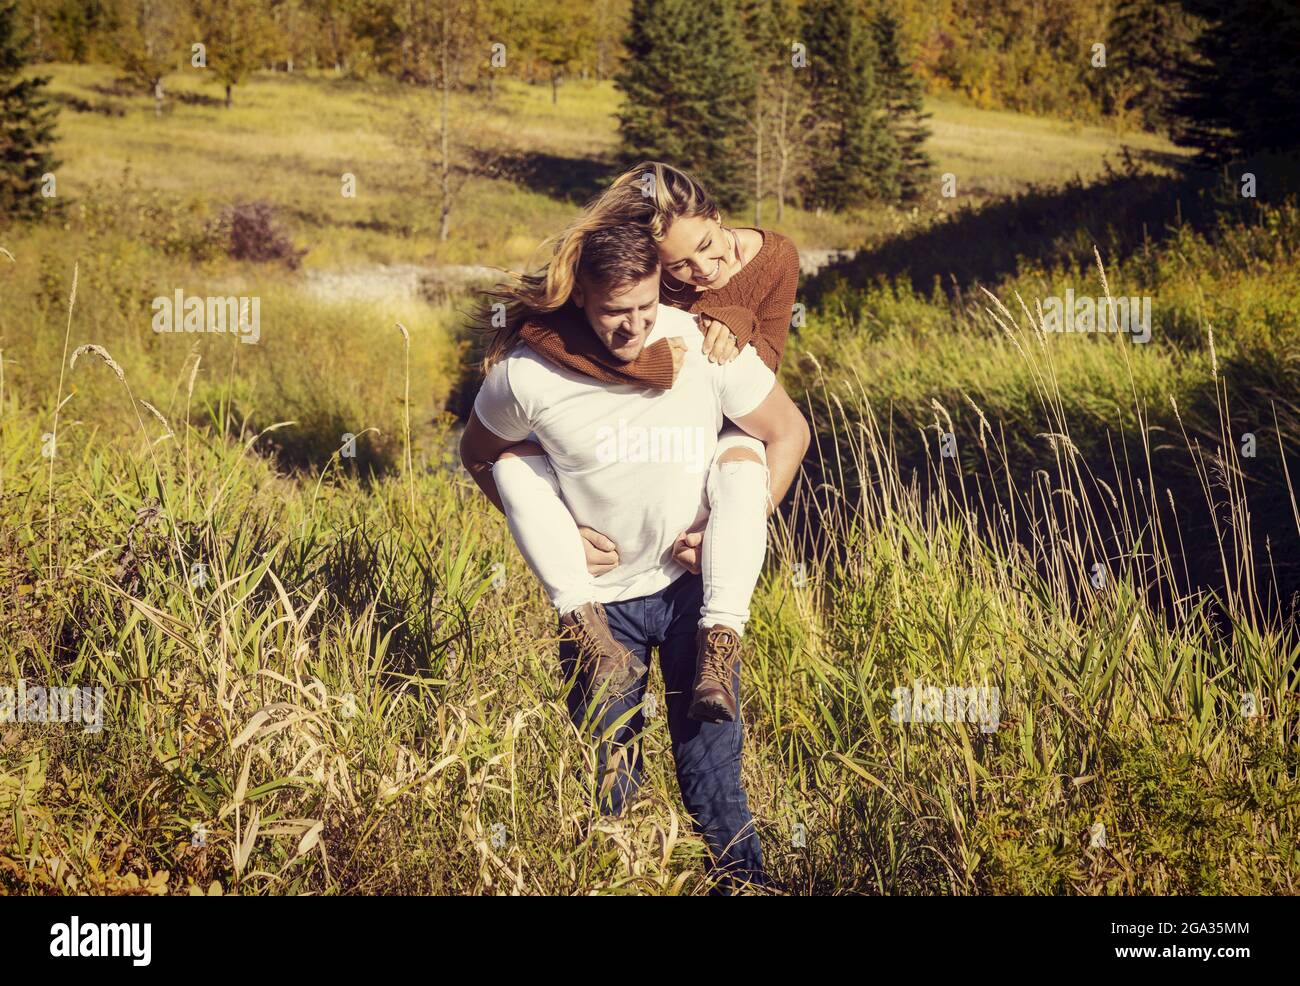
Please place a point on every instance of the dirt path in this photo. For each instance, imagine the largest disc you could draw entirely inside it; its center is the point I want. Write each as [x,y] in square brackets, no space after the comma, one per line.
[375,282]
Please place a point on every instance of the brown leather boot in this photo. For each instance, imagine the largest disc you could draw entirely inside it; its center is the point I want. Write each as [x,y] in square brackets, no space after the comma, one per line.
[717,655]
[600,654]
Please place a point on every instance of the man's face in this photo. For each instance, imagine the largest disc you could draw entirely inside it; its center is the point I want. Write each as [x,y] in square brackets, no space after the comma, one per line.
[620,315]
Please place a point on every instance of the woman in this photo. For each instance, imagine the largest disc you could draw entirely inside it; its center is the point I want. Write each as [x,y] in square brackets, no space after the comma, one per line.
[741,282]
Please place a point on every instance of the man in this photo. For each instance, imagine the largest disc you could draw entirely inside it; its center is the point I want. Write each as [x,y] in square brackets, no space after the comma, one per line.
[635,465]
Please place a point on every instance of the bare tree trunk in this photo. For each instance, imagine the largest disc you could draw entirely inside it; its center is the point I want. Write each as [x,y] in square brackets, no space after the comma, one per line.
[780,191]
[444,220]
[227,95]
[783,153]
[157,97]
[758,156]
[555,87]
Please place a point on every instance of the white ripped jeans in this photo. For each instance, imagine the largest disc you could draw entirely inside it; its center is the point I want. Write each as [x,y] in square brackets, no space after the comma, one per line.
[732,550]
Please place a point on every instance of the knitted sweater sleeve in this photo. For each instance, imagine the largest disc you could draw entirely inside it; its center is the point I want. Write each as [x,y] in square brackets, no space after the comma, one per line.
[767,324]
[740,320]
[775,311]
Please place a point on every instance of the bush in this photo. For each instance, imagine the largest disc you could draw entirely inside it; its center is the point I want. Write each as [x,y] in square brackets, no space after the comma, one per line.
[254,234]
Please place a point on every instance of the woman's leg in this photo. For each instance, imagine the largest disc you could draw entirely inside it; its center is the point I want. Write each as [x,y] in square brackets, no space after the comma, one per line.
[735,538]
[542,526]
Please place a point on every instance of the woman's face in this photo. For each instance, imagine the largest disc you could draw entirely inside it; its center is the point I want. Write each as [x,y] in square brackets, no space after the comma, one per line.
[698,251]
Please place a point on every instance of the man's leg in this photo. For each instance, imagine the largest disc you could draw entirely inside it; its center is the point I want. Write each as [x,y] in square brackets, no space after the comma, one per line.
[707,754]
[597,710]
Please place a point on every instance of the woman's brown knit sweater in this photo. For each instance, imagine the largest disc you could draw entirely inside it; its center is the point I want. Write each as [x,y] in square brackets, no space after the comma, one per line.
[756,305]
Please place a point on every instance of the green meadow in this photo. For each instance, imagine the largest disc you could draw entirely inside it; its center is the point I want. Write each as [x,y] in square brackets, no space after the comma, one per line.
[326,670]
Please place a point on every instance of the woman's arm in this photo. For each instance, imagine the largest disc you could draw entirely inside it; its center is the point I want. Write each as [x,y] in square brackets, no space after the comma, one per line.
[776,310]
[767,325]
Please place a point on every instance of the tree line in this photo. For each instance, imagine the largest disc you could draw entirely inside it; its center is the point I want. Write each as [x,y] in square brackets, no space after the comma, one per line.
[544,40]
[1026,55]
[817,102]
[813,101]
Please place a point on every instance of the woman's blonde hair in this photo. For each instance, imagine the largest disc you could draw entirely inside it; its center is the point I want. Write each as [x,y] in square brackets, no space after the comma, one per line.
[672,193]
[650,197]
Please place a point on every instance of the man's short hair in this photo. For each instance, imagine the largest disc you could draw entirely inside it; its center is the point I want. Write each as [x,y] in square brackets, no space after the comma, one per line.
[617,255]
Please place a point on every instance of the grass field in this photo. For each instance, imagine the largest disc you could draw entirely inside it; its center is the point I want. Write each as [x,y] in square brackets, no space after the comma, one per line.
[290,138]
[329,674]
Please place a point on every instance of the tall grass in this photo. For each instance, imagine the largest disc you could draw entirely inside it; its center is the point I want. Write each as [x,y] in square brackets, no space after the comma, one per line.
[1222,301]
[1148,741]
[330,674]
[316,686]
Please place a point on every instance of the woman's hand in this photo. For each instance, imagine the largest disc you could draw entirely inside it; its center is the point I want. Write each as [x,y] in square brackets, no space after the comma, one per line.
[719,342]
[677,345]
[602,553]
[688,548]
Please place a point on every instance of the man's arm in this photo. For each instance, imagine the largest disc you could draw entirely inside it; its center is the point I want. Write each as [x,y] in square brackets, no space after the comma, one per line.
[779,425]
[479,449]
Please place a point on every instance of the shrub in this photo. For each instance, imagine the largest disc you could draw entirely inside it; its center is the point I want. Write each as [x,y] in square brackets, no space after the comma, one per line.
[254,234]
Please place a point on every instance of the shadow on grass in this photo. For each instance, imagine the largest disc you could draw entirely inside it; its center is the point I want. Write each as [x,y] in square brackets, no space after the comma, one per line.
[471,347]
[373,577]
[78,105]
[570,179]
[1201,535]
[1123,212]
[322,440]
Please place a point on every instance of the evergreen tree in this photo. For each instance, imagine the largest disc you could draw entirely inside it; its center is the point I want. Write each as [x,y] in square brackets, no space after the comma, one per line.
[854,159]
[1148,40]
[26,124]
[1240,90]
[688,83]
[903,102]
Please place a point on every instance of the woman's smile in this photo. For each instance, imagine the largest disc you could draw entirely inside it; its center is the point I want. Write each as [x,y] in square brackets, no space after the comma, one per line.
[712,275]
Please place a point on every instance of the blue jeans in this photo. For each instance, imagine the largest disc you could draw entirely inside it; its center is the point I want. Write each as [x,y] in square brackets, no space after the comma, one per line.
[707,755]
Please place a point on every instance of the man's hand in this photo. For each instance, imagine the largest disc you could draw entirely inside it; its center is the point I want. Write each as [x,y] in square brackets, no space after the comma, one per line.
[678,346]
[719,341]
[688,549]
[602,553]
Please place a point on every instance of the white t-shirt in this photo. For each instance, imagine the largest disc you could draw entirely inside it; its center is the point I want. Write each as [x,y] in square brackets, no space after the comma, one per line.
[631,461]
